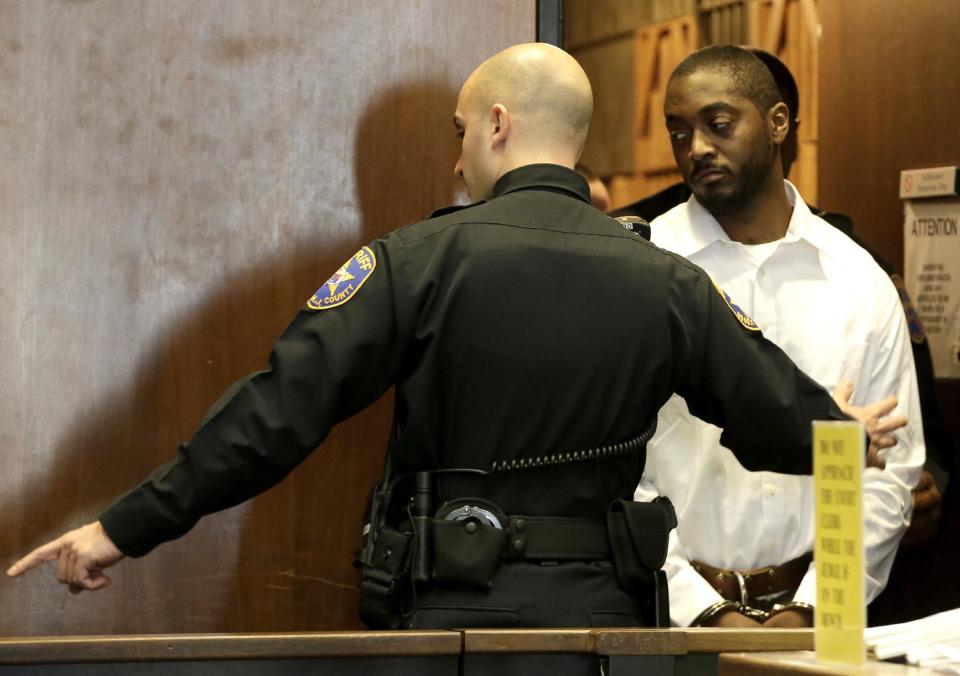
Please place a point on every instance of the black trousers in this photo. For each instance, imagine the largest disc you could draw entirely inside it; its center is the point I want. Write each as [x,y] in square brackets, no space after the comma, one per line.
[532,595]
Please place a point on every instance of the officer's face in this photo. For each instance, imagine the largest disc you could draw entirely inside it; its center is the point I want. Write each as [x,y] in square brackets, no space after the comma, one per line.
[476,165]
[722,144]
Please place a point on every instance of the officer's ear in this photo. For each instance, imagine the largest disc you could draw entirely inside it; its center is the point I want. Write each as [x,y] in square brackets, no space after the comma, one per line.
[778,118]
[500,122]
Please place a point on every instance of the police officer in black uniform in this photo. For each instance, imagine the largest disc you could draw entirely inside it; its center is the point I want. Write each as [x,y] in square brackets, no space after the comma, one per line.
[531,339]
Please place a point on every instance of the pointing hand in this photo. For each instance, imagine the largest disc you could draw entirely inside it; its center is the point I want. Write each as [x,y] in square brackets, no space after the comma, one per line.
[81,556]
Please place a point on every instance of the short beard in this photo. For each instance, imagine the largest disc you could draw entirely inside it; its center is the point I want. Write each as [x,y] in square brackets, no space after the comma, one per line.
[753,173]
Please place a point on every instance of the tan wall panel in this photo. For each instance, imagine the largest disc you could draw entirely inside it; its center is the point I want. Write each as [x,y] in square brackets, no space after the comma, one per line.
[178,177]
[788,29]
[609,65]
[597,20]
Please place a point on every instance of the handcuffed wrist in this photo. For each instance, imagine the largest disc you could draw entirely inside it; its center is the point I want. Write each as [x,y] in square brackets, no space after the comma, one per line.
[711,612]
[797,606]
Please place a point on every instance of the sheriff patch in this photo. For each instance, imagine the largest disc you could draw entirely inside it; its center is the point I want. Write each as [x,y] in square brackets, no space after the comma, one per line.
[917,334]
[345,282]
[741,316]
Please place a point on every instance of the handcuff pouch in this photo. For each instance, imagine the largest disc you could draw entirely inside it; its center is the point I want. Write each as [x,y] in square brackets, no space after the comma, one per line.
[466,552]
[639,533]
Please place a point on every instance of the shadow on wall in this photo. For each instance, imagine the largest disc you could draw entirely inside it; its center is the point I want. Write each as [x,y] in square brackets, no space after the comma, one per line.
[406,148]
[283,561]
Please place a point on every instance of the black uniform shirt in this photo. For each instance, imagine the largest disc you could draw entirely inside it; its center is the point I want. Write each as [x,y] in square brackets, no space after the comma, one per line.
[527,325]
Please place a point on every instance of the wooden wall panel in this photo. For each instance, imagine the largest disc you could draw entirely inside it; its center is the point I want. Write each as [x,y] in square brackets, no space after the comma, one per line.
[628,143]
[609,66]
[591,21]
[598,20]
[178,178]
[890,100]
[789,29]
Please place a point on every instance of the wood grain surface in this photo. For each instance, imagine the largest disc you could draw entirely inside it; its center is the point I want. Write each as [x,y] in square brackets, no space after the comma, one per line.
[177,179]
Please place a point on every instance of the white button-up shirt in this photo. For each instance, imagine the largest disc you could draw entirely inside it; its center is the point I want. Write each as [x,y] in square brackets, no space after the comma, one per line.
[829,306]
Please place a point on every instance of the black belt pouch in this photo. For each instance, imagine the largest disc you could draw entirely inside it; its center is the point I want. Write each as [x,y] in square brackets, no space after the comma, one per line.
[639,533]
[467,552]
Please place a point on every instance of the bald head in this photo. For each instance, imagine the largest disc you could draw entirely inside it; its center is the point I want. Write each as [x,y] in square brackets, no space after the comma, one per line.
[543,87]
[528,104]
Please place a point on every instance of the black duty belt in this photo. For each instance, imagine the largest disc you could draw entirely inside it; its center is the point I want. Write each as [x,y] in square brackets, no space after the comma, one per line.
[556,538]
[472,536]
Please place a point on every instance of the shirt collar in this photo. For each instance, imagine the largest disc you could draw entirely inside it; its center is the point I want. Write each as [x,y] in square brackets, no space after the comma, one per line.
[552,177]
[705,230]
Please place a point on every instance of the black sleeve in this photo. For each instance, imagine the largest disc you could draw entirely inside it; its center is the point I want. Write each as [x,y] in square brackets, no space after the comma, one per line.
[327,365]
[743,383]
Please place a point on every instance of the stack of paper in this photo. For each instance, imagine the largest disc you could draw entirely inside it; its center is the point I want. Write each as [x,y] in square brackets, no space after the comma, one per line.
[932,642]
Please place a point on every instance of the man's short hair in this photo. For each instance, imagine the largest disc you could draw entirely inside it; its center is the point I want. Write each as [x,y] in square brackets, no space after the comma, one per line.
[783,78]
[751,78]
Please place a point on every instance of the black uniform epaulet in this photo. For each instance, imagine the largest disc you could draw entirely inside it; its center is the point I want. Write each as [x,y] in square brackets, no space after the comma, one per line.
[636,225]
[442,211]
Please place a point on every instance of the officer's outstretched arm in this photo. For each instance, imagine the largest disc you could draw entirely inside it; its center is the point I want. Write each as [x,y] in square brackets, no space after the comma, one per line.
[81,556]
[329,363]
[740,381]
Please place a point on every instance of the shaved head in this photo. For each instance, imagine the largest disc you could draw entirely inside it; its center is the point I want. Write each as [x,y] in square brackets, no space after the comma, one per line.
[542,85]
[528,104]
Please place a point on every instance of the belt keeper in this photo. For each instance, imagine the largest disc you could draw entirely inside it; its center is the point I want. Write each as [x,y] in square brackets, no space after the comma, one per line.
[712,611]
[518,536]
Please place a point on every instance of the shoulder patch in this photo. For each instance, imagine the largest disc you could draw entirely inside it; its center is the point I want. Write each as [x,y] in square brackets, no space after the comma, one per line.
[745,320]
[917,334]
[345,282]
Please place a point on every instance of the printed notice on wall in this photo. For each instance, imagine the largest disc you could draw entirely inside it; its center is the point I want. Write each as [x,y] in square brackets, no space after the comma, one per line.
[840,611]
[931,248]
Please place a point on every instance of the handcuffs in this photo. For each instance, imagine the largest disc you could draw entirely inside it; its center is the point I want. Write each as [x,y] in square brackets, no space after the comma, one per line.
[742,607]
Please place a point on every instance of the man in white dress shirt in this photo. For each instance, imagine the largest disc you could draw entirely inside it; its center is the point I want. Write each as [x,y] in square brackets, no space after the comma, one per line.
[741,554]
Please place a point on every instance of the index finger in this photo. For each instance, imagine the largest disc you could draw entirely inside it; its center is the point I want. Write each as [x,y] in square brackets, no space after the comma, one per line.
[890,424]
[47,552]
[878,409]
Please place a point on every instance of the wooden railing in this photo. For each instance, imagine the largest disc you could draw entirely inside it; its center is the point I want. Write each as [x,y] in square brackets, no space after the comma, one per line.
[415,652]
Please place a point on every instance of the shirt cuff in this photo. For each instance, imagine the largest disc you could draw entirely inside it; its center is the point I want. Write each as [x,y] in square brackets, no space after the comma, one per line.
[690,595]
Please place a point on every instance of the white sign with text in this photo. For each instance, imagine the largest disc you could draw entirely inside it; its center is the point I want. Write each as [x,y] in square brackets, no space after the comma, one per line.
[931,254]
